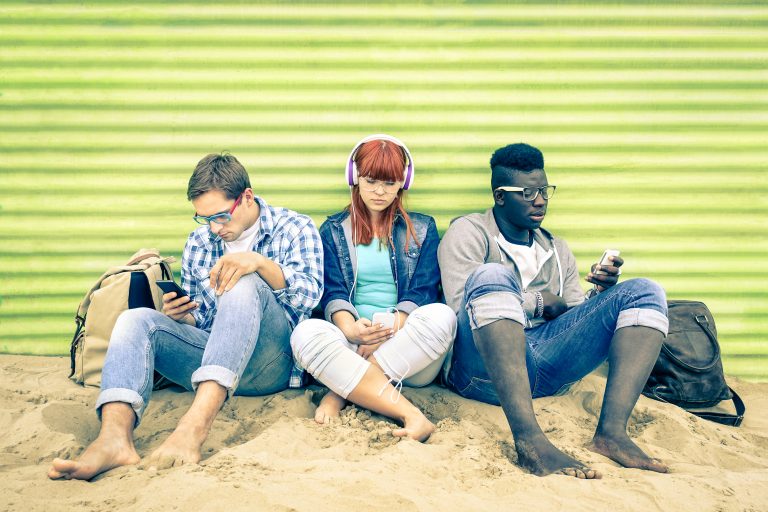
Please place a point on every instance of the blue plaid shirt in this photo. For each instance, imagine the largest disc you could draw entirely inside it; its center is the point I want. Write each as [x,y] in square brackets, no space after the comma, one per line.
[289,239]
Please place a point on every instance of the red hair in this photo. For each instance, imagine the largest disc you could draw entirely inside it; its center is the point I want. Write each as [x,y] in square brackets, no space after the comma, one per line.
[379,160]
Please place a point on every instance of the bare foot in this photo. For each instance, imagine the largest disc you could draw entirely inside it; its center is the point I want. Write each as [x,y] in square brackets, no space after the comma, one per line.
[415,426]
[539,456]
[621,449]
[182,447]
[330,407]
[103,454]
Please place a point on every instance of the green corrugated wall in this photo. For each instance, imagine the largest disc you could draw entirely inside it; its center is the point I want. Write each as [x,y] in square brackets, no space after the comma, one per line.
[652,119]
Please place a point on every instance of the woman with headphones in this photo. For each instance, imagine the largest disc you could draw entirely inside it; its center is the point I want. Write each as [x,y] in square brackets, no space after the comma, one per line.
[385,325]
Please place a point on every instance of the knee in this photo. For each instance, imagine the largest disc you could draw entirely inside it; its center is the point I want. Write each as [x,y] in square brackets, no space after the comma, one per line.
[310,339]
[134,324]
[648,288]
[137,318]
[491,277]
[439,323]
[248,288]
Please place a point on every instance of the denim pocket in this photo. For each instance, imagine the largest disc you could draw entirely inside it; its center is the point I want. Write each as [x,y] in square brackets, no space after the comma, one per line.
[481,390]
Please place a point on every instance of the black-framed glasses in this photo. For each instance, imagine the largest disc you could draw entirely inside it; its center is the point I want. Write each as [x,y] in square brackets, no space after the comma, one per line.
[531,193]
[218,218]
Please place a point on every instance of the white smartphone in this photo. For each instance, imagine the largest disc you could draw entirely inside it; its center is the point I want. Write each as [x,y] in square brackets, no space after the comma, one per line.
[386,319]
[604,259]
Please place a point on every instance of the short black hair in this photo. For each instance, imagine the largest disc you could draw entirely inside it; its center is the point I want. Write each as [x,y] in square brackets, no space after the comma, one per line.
[517,157]
[520,157]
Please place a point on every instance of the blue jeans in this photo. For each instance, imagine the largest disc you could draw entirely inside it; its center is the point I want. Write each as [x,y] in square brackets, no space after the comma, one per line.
[248,350]
[558,352]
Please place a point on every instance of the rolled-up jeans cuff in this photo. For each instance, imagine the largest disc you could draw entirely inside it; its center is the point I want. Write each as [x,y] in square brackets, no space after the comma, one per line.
[644,317]
[493,306]
[124,395]
[222,376]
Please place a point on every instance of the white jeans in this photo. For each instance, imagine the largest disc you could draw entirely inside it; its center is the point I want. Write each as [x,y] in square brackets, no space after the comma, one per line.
[413,356]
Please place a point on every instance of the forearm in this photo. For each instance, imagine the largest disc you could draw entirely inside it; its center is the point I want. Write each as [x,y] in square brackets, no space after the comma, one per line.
[344,320]
[270,272]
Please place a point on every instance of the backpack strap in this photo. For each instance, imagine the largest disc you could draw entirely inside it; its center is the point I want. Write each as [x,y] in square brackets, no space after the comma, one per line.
[732,420]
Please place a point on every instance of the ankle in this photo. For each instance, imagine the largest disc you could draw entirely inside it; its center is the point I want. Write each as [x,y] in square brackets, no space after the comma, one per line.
[411,413]
[194,427]
[532,434]
[610,432]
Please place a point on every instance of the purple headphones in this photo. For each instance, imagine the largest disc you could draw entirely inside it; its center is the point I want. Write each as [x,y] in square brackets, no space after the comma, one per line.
[351,169]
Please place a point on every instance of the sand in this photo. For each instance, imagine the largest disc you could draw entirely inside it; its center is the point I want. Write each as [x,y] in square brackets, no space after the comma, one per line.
[266,453]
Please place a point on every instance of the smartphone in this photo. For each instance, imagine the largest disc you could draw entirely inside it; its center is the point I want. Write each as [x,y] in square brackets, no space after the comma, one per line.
[604,261]
[386,319]
[171,286]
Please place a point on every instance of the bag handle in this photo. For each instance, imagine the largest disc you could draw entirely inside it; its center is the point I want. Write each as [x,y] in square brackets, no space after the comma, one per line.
[732,420]
[143,254]
[703,322]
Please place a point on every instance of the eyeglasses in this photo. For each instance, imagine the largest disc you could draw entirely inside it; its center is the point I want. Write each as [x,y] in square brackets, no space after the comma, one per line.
[218,218]
[531,193]
[372,185]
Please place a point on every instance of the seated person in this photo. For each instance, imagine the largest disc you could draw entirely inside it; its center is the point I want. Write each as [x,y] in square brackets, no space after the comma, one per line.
[252,272]
[378,257]
[525,328]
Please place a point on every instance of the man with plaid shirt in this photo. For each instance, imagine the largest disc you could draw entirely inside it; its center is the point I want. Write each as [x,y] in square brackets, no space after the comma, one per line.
[251,273]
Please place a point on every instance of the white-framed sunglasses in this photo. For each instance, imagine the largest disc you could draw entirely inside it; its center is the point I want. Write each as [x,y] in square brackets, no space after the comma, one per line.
[530,193]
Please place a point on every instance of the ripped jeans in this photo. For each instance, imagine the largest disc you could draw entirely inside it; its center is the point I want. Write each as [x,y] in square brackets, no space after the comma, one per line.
[413,356]
[560,351]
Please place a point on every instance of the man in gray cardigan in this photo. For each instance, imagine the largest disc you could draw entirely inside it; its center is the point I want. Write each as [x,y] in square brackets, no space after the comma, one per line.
[526,328]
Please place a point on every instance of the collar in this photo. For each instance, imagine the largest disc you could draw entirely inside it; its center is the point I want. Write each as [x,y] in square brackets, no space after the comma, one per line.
[540,235]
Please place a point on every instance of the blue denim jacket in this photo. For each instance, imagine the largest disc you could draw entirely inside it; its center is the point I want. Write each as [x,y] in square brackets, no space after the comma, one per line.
[415,269]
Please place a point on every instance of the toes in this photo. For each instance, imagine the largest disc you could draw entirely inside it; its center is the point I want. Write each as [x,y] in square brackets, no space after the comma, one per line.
[400,432]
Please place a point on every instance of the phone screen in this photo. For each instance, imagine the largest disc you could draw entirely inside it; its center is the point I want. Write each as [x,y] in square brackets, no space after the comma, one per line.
[171,286]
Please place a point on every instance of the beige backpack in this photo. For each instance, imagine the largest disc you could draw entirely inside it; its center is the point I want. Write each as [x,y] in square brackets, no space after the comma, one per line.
[118,289]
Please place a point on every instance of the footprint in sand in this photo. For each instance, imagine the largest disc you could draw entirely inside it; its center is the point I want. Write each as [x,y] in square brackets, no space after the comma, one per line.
[72,419]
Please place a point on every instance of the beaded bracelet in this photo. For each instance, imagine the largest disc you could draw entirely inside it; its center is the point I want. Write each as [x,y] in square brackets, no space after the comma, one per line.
[539,305]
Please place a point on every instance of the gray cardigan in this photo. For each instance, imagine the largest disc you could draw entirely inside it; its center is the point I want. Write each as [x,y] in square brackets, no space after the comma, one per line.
[470,241]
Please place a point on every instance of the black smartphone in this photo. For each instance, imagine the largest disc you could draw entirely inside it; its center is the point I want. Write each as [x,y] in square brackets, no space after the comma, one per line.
[171,286]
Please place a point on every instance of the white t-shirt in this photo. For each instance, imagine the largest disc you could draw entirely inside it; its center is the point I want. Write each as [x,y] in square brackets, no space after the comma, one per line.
[528,260]
[244,242]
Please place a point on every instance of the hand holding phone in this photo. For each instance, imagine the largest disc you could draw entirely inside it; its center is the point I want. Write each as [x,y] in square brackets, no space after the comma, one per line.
[605,261]
[179,306]
[384,318]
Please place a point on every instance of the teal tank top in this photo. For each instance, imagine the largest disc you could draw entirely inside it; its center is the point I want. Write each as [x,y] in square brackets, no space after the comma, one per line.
[376,290]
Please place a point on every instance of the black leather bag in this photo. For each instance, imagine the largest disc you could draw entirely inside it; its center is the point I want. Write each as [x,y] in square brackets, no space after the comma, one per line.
[689,371]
